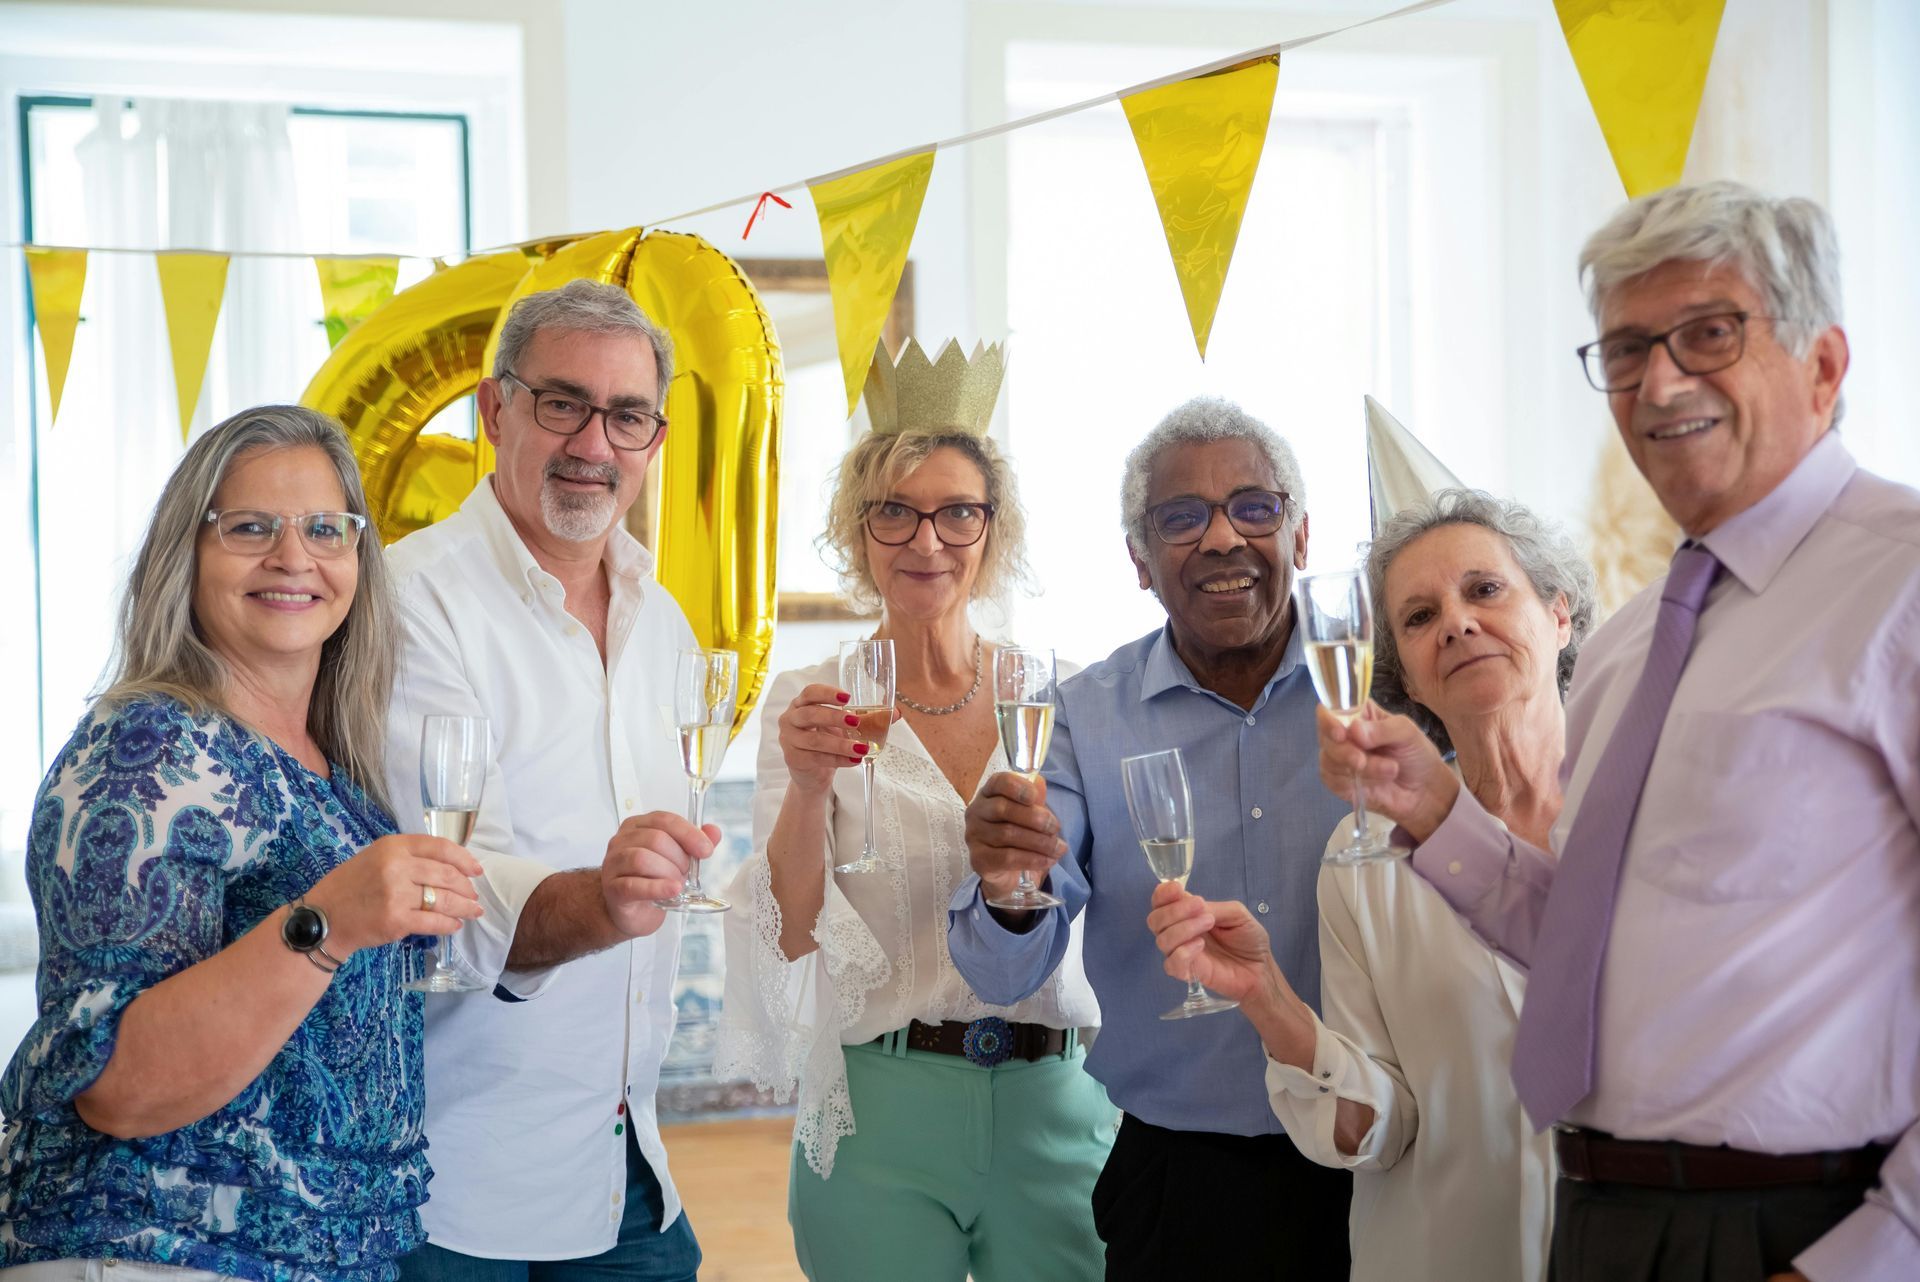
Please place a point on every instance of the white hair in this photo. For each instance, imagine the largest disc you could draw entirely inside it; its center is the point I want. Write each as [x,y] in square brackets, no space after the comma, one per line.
[583,307]
[1200,420]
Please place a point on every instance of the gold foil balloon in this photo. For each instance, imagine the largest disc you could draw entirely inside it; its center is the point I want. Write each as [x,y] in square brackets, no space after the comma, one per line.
[715,531]
[401,366]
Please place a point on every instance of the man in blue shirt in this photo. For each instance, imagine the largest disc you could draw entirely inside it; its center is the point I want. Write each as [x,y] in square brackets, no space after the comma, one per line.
[1201,1180]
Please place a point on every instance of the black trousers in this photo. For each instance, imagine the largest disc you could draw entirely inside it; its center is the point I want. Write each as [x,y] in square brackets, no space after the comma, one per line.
[1625,1233]
[1175,1205]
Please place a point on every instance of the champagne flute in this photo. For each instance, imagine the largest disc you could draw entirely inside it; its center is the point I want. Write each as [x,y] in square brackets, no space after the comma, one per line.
[866,674]
[1023,704]
[1161,807]
[705,687]
[1335,615]
[453,770]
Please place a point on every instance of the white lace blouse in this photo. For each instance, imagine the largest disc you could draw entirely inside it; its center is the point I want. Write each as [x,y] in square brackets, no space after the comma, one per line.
[882,959]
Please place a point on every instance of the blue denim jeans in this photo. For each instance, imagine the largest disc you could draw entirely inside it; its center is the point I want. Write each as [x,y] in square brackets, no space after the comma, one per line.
[642,1254]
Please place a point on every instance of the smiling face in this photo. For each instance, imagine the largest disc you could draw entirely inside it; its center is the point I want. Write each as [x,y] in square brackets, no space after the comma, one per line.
[570,488]
[1713,445]
[924,578]
[274,608]
[1226,592]
[1473,636]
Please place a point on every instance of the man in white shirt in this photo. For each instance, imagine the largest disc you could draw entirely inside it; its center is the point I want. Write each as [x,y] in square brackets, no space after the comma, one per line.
[532,606]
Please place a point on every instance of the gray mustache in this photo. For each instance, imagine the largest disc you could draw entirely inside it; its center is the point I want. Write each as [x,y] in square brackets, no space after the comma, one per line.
[605,473]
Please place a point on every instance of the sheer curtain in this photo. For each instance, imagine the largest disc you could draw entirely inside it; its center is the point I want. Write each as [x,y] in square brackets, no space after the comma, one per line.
[157,174]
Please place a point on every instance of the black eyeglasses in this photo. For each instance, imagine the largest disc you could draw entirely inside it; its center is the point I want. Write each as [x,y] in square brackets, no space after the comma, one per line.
[957,525]
[564,414]
[1703,345]
[1254,513]
[251,532]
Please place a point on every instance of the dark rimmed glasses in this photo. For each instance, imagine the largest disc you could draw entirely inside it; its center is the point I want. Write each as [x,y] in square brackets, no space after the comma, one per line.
[1254,513]
[628,426]
[251,532]
[957,525]
[1703,345]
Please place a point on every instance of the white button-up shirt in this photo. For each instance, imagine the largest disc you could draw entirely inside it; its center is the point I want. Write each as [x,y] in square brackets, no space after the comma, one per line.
[528,1102]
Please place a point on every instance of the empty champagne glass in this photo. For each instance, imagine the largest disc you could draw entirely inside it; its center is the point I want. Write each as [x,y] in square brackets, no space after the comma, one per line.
[1023,704]
[1335,616]
[1161,807]
[866,674]
[705,687]
[453,770]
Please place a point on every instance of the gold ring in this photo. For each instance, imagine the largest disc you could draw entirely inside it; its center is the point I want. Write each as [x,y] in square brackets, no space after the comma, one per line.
[428,898]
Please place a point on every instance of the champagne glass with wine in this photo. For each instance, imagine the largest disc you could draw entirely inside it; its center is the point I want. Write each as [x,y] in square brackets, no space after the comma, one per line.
[1161,806]
[1023,704]
[705,691]
[1335,616]
[866,674]
[453,770]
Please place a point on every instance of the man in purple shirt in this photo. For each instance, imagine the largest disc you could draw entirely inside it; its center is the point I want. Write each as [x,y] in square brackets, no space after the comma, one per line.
[1723,1013]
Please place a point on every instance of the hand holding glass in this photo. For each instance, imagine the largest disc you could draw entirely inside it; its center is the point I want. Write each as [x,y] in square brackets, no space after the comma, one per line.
[453,770]
[1335,616]
[1023,704]
[866,674]
[1161,807]
[705,689]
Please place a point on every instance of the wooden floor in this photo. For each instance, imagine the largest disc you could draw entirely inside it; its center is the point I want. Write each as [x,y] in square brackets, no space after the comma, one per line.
[733,1178]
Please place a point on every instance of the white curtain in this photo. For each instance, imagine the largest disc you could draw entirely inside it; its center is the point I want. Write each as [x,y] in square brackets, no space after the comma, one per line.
[157,174]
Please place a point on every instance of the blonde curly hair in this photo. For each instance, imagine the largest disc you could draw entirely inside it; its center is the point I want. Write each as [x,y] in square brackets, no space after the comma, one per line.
[878,463]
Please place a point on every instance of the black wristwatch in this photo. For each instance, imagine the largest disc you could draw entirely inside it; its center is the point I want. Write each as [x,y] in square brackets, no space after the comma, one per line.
[304,929]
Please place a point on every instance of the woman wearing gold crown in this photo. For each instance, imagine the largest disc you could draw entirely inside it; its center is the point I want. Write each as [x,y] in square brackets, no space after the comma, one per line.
[936,1135]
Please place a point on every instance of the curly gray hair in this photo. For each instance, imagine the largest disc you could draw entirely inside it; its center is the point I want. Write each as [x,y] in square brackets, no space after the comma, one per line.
[1202,419]
[1544,553]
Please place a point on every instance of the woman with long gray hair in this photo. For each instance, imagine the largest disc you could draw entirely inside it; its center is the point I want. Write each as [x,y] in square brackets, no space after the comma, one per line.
[225,1077]
[1480,608]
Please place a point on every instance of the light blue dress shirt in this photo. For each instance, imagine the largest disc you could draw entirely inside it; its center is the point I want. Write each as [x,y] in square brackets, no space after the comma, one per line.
[1261,823]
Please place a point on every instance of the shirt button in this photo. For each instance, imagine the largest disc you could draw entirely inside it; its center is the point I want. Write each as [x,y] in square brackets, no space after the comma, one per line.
[573,629]
[1454,868]
[1256,812]
[1262,905]
[631,804]
[640,998]
[619,1128]
[621,1107]
[1249,719]
[616,1199]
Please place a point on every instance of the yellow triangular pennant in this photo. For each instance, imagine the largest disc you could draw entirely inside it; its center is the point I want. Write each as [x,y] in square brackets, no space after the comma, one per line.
[191,287]
[57,277]
[866,226]
[351,289]
[1200,140]
[1644,63]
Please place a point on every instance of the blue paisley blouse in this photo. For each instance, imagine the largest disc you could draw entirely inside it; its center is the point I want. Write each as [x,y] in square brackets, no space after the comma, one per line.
[157,839]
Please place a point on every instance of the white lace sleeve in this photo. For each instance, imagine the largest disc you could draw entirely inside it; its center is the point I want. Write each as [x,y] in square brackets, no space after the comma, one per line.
[781,1020]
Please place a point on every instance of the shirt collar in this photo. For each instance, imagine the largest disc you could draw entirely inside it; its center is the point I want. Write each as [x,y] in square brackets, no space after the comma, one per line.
[1754,544]
[1166,670]
[625,557]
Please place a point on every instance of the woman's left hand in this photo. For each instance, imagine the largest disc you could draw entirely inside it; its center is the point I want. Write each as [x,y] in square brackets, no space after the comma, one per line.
[1219,944]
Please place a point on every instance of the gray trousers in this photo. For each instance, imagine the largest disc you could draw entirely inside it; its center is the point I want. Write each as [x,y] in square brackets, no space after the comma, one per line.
[1625,1233]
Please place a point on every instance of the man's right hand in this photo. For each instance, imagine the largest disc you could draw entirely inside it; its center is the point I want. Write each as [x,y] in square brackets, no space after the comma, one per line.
[647,860]
[1010,828]
[1406,778]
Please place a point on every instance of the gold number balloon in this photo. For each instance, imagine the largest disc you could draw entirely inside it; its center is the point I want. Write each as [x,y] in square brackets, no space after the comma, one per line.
[715,530]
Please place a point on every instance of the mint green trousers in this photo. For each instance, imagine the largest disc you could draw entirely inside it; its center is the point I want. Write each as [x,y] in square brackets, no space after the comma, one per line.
[956,1169]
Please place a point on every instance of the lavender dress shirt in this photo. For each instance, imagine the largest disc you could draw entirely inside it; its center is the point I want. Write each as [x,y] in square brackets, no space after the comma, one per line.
[1761,986]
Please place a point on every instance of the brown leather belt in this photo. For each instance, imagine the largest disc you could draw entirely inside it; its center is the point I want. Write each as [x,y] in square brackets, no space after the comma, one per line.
[1601,1159]
[986,1042]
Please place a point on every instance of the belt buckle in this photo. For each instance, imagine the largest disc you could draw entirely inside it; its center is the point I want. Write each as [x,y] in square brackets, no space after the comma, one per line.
[988,1041]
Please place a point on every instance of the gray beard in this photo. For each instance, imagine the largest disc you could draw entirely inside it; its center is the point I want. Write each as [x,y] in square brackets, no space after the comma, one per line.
[574,517]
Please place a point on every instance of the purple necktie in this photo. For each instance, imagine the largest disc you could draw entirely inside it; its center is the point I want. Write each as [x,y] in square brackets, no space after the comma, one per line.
[1553,1050]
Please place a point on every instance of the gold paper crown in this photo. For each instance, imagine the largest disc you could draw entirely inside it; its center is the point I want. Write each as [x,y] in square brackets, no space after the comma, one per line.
[953,394]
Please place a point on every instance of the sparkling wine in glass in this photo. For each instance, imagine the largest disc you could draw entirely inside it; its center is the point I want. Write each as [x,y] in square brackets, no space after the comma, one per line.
[705,689]
[1023,704]
[453,770]
[1161,807]
[866,674]
[1335,616]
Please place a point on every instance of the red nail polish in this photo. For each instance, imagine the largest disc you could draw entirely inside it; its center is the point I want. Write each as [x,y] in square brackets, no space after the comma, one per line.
[853,721]
[843,696]
[853,761]
[860,748]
